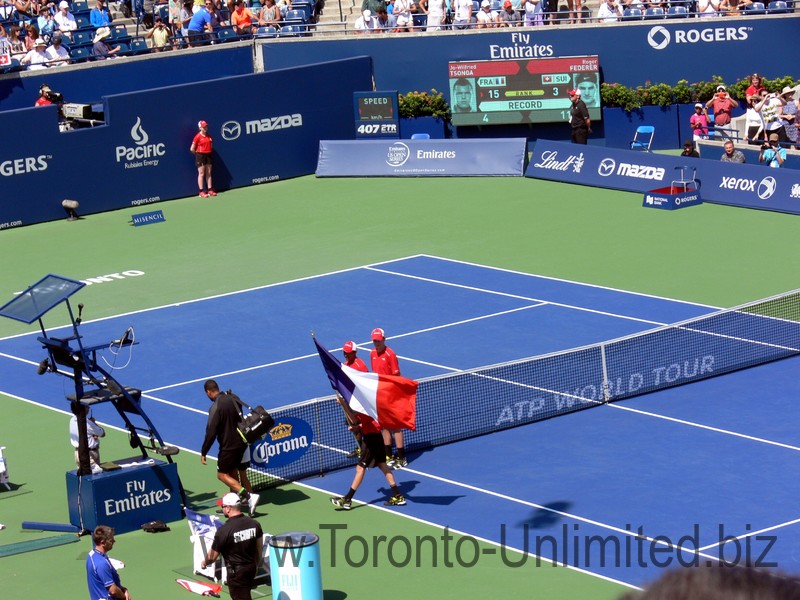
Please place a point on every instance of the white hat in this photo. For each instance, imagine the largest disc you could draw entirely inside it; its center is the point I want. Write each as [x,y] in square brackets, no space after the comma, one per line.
[63,4]
[40,42]
[698,105]
[101,34]
[367,14]
[231,499]
[485,3]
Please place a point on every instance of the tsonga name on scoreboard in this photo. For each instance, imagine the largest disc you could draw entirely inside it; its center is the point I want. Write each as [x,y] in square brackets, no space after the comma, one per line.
[493,92]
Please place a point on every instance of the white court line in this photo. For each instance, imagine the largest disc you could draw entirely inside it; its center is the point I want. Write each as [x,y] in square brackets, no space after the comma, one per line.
[496,293]
[752,533]
[570,281]
[214,297]
[361,345]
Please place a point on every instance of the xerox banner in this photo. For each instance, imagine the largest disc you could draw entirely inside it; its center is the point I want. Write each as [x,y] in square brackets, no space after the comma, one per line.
[750,186]
[421,158]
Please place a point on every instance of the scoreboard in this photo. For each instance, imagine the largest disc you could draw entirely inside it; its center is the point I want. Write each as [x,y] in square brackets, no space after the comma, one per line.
[494,92]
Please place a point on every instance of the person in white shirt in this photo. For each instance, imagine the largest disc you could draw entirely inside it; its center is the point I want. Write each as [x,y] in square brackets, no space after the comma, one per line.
[365,23]
[93,434]
[65,19]
[36,59]
[462,19]
[608,12]
[56,53]
[402,14]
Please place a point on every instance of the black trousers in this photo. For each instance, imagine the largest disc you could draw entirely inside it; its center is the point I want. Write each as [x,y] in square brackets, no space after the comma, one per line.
[240,581]
[580,135]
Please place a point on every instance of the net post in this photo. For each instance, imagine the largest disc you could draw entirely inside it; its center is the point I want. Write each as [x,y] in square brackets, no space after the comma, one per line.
[606,387]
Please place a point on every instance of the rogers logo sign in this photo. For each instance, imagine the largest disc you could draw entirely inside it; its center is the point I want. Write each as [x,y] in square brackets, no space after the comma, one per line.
[659,37]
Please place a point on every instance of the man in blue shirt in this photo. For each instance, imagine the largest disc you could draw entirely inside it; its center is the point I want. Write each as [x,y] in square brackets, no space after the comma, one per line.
[772,153]
[199,26]
[101,575]
[100,17]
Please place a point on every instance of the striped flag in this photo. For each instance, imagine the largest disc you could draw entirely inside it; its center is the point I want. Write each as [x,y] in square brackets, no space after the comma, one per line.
[389,399]
[204,589]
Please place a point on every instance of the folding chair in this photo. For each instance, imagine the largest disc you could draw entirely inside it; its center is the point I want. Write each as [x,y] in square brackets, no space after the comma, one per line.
[685,181]
[3,470]
[643,138]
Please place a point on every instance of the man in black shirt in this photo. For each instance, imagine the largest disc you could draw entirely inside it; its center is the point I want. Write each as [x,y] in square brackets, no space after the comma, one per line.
[579,118]
[223,417]
[240,542]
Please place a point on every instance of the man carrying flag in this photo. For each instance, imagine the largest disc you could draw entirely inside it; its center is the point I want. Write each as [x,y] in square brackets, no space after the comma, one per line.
[384,361]
[349,349]
[371,401]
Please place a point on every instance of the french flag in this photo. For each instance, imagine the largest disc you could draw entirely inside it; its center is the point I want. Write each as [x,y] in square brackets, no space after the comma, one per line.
[390,400]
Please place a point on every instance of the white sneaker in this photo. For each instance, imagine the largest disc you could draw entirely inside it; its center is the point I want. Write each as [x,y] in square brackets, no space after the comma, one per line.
[97,469]
[252,503]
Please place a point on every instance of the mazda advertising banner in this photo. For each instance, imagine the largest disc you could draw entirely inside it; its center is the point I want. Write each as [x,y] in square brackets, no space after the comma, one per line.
[750,186]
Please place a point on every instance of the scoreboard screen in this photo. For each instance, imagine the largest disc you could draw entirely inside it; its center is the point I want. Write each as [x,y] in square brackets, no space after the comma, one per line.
[495,92]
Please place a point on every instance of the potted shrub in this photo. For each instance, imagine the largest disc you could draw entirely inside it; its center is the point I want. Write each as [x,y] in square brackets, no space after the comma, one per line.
[423,112]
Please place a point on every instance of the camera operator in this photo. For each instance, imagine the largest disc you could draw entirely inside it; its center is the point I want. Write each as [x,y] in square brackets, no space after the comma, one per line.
[772,153]
[48,96]
[721,105]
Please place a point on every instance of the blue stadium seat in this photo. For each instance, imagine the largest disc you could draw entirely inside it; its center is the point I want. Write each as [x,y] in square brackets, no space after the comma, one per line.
[632,14]
[83,22]
[80,7]
[778,6]
[162,10]
[655,12]
[267,32]
[677,12]
[291,31]
[306,7]
[420,21]
[139,46]
[227,34]
[124,48]
[119,33]
[295,16]
[495,6]
[756,8]
[82,38]
[420,136]
[80,54]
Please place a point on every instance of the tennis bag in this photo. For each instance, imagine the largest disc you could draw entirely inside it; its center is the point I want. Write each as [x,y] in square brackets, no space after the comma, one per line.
[255,425]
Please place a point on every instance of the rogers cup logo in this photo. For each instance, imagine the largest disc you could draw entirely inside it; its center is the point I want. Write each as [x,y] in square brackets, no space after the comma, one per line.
[658,38]
[397,154]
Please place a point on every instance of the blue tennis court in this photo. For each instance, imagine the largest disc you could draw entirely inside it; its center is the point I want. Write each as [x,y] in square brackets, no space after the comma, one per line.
[608,490]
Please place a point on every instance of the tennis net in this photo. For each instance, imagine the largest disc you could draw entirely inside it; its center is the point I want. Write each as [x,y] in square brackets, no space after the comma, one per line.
[311,438]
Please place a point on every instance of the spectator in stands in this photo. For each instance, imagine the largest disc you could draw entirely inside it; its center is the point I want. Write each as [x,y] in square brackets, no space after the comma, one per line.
[242,19]
[772,153]
[31,35]
[25,9]
[575,10]
[462,14]
[6,9]
[590,91]
[770,107]
[270,15]
[788,115]
[690,150]
[57,55]
[608,12]
[708,8]
[186,16]
[533,11]
[437,11]
[385,21]
[373,6]
[754,126]
[102,49]
[754,90]
[699,122]
[200,28]
[216,15]
[17,45]
[159,34]
[284,6]
[731,154]
[65,20]
[402,15]
[365,23]
[485,17]
[730,8]
[175,7]
[45,23]
[100,17]
[722,104]
[36,58]
[508,16]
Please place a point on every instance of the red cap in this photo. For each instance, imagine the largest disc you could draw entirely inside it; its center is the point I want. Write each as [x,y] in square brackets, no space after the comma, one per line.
[507,3]
[350,347]
[575,92]
[202,124]
[377,334]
